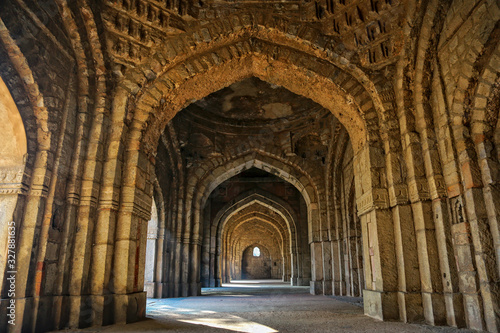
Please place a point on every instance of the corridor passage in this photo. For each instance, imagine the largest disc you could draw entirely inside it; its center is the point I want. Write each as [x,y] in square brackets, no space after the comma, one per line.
[261,306]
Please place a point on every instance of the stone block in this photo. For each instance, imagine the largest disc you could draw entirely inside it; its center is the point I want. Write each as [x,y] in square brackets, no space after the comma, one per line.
[327,287]
[316,287]
[468,282]
[410,307]
[136,309]
[455,309]
[381,305]
[473,312]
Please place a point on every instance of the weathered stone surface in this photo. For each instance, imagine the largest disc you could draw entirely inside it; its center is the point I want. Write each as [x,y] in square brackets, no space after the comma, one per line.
[150,146]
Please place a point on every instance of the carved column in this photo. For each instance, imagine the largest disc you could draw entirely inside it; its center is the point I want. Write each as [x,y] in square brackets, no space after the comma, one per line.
[12,191]
[380,295]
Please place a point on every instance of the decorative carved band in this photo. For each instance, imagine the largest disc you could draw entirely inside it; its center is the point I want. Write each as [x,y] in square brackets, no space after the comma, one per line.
[398,195]
[419,190]
[11,180]
[376,198]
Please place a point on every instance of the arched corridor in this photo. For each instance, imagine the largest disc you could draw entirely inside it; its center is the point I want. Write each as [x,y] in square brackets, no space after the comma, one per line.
[165,149]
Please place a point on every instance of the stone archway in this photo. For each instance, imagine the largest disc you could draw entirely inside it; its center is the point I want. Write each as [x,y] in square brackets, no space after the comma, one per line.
[124,209]
[287,229]
[371,194]
[414,83]
[221,173]
[231,235]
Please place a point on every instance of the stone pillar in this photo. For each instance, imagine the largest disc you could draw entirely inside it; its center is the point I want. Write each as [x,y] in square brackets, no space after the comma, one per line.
[177,257]
[227,261]
[451,312]
[160,260]
[10,227]
[409,294]
[464,254]
[316,283]
[305,265]
[176,267]
[169,245]
[286,267]
[356,256]
[184,264]
[327,267]
[11,190]
[483,234]
[151,252]
[314,224]
[381,276]
[194,269]
[293,269]
[217,267]
[205,251]
[212,270]
[380,295]
[409,286]
[338,284]
[484,256]
[428,258]
[213,256]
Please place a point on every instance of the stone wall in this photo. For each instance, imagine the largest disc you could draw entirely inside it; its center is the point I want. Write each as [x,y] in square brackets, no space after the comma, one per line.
[259,267]
[404,169]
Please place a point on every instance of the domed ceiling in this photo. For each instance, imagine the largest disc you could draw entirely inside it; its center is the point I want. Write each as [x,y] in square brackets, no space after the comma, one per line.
[254,99]
[254,114]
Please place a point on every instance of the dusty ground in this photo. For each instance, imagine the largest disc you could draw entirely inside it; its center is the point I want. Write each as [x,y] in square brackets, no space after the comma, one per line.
[261,306]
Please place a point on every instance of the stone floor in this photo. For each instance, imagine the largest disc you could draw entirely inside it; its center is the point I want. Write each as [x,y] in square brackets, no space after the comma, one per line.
[262,306]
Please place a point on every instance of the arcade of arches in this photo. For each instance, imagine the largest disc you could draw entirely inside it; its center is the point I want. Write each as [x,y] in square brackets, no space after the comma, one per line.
[148,147]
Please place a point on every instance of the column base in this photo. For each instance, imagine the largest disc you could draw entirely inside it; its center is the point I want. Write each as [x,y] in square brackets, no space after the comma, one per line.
[184,289]
[60,312]
[149,288]
[20,306]
[316,287]
[381,305]
[129,308]
[158,293]
[474,318]
[195,289]
[338,288]
[410,307]
[434,308]
[303,282]
[327,287]
[455,309]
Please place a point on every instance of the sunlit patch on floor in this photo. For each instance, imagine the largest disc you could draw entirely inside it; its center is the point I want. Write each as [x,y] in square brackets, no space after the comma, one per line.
[208,318]
[233,323]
